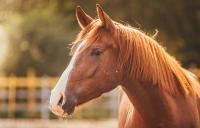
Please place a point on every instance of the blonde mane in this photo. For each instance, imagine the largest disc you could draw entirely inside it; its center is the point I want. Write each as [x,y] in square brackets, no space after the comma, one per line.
[142,58]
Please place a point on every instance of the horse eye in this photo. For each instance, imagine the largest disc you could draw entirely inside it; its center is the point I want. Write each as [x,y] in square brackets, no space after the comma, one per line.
[96,52]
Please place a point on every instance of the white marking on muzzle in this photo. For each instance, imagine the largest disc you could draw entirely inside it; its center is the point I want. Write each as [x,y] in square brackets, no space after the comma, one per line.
[60,89]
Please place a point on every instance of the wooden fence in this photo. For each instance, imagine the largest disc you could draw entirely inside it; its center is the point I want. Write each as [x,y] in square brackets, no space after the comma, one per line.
[36,88]
[9,87]
[30,83]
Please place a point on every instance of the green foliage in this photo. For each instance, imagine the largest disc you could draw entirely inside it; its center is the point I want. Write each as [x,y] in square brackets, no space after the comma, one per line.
[42,29]
[41,42]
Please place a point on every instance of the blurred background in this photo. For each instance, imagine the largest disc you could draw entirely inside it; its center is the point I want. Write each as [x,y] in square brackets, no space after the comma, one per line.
[35,38]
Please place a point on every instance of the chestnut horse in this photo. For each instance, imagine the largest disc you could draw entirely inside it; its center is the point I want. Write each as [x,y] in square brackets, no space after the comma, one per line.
[157,91]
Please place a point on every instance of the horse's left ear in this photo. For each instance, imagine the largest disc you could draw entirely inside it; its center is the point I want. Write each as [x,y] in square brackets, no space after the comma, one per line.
[105,19]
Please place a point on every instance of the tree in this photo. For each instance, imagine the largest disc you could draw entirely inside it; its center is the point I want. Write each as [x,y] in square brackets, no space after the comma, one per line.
[44,28]
[42,42]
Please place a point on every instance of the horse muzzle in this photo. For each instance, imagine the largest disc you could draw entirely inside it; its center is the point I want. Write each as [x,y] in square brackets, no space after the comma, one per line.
[60,104]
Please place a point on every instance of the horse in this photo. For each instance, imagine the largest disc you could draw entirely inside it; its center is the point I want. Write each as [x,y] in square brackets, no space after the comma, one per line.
[157,92]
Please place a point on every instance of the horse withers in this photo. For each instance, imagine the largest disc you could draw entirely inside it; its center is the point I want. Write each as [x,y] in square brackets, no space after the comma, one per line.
[157,91]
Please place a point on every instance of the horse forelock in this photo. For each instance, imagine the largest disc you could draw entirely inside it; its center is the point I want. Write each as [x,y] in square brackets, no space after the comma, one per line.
[92,32]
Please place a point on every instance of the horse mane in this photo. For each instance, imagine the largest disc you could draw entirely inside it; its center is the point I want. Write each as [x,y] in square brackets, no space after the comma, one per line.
[143,59]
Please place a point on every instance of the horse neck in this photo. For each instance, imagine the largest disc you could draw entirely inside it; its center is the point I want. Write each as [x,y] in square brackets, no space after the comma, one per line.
[155,105]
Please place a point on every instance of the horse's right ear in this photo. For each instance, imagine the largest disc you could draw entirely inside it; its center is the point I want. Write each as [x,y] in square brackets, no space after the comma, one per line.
[105,19]
[82,18]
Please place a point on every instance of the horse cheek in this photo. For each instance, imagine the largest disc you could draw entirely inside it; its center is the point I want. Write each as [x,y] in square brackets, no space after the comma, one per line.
[92,71]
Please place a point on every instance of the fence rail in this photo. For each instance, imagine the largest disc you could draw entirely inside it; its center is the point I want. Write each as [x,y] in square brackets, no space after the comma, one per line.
[37,94]
[30,83]
[37,91]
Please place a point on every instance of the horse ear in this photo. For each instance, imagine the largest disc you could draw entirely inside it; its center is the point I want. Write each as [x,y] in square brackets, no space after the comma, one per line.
[105,19]
[82,18]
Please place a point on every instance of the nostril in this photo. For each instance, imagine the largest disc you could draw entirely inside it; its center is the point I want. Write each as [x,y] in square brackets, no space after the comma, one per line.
[60,101]
[57,101]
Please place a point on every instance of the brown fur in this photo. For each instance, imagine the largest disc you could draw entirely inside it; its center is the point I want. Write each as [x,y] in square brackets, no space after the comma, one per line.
[151,62]
[157,91]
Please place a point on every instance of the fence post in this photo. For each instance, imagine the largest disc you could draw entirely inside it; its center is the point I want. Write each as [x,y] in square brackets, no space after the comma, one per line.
[3,91]
[12,81]
[45,92]
[31,82]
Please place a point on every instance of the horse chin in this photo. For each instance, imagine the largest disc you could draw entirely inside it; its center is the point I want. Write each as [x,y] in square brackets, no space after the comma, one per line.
[69,111]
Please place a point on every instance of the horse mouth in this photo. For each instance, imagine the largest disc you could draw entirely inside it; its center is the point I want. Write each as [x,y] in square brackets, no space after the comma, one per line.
[59,111]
